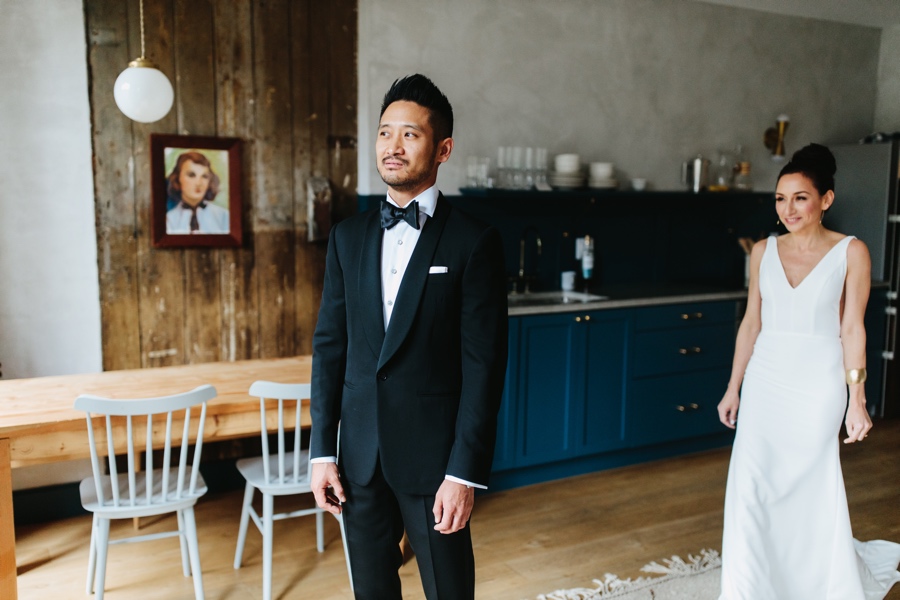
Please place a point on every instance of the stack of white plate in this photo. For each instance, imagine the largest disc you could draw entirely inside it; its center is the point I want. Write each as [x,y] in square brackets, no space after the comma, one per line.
[568,173]
[609,183]
[603,176]
[566,180]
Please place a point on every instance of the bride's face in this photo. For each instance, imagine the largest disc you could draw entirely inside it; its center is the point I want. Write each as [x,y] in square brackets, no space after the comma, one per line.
[798,204]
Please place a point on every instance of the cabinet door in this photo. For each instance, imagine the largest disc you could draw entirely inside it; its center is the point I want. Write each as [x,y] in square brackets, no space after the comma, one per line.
[675,407]
[598,419]
[505,446]
[547,355]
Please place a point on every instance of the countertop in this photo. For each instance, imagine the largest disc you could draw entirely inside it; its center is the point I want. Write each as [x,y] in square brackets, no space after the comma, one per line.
[635,295]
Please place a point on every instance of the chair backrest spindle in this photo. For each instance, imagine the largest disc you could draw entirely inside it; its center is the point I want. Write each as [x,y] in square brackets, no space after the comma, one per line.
[182,457]
[281,450]
[265,438]
[198,448]
[148,469]
[297,406]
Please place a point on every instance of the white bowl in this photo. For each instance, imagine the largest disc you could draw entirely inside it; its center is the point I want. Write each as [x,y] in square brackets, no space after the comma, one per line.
[567,163]
[601,170]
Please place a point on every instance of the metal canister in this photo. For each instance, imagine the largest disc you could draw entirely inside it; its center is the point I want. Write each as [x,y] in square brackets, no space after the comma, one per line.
[695,174]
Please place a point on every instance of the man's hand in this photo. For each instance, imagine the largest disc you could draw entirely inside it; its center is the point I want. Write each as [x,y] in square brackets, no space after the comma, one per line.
[325,475]
[452,506]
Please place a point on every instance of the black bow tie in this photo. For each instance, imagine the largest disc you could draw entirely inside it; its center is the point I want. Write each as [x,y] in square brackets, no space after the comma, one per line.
[391,215]
[195,224]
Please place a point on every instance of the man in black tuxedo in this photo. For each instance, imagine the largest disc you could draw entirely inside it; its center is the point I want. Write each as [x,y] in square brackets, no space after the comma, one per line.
[409,357]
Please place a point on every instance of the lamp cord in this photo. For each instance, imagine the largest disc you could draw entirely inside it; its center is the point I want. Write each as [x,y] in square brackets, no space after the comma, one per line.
[142,28]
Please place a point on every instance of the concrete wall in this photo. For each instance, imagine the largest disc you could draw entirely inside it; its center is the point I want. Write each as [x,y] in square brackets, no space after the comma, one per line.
[887,107]
[646,84]
[49,296]
[49,307]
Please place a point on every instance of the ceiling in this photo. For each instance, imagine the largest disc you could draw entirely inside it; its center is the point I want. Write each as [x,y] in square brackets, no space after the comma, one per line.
[872,13]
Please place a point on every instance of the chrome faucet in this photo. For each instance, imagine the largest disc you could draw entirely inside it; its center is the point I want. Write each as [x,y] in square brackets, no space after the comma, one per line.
[522,278]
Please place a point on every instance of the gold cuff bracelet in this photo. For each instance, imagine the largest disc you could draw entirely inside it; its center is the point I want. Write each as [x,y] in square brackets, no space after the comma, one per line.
[855,376]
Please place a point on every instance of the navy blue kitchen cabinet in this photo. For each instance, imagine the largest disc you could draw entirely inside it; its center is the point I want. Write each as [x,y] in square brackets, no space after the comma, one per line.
[681,361]
[569,385]
[504,448]
[605,388]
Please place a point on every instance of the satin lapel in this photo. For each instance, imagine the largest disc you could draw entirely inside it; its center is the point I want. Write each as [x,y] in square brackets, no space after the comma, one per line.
[370,302]
[414,282]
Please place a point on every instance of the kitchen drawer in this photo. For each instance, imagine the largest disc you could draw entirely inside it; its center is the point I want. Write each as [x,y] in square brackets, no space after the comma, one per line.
[662,409]
[683,350]
[684,315]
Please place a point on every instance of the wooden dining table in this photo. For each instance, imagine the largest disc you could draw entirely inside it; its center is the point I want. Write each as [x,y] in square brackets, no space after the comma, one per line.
[39,425]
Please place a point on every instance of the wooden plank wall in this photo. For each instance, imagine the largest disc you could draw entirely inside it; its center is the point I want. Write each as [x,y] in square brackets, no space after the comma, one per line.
[280,75]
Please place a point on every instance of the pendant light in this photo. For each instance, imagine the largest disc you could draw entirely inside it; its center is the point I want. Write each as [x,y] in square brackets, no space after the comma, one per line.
[142,92]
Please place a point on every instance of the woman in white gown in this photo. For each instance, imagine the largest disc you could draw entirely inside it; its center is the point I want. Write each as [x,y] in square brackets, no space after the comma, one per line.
[800,345]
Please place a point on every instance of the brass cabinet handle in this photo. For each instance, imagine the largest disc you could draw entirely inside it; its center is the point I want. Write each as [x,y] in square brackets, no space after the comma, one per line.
[689,316]
[578,319]
[691,350]
[689,407]
[585,317]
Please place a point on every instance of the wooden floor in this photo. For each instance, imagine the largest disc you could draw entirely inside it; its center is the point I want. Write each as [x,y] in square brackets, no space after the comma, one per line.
[527,541]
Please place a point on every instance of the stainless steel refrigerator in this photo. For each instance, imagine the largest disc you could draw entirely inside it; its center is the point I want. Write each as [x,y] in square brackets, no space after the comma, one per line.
[866,196]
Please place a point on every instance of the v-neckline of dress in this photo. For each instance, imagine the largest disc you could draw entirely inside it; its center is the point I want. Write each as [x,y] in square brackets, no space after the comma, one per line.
[813,270]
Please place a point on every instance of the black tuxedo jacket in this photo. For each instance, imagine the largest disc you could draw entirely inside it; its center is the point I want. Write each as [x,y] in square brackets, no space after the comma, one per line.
[424,394]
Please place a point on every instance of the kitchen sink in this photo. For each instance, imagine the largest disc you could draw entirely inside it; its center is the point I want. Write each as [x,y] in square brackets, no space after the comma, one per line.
[552,298]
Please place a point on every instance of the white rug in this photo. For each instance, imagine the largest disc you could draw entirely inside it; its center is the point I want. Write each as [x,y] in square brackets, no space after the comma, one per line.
[696,578]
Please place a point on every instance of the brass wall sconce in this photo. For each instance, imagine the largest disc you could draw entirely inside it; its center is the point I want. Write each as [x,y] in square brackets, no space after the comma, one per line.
[774,137]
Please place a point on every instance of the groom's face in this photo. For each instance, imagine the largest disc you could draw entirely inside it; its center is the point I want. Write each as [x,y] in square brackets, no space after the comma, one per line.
[406,152]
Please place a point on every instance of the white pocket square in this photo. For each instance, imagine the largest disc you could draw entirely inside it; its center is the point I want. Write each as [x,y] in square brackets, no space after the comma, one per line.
[438,270]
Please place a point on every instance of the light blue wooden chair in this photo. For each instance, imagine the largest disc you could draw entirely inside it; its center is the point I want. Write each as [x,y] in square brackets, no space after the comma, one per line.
[152,490]
[281,473]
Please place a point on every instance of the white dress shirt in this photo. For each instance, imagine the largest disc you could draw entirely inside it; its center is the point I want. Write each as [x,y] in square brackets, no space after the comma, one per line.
[211,218]
[397,245]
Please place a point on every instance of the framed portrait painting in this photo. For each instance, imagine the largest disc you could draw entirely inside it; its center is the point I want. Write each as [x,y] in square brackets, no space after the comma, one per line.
[196,193]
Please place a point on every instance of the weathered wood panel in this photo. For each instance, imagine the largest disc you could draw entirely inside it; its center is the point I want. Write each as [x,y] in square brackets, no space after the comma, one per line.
[280,75]
[196,87]
[239,330]
[273,201]
[108,53]
[161,271]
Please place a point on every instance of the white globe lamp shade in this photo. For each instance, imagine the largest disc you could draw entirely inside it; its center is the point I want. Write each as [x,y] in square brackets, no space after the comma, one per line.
[143,93]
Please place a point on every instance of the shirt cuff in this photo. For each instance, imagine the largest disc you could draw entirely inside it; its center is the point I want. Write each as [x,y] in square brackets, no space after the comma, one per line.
[324,459]
[464,482]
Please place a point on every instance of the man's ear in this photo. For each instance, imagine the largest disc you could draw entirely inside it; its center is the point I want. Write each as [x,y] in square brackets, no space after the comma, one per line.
[444,149]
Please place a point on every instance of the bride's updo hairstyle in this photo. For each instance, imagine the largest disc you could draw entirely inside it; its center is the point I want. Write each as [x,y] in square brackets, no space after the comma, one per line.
[816,163]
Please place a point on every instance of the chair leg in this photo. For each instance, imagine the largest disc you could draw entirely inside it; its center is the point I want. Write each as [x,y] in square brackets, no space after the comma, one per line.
[340,519]
[185,558]
[194,551]
[242,530]
[102,546]
[92,558]
[320,533]
[268,505]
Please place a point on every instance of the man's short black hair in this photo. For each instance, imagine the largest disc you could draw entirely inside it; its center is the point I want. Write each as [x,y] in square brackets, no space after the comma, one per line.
[421,90]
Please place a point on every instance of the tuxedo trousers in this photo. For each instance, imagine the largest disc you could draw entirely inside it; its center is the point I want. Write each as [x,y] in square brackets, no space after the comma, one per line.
[375,516]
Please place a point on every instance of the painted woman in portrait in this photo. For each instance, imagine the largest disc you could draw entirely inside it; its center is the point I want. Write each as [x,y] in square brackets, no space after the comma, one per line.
[191,188]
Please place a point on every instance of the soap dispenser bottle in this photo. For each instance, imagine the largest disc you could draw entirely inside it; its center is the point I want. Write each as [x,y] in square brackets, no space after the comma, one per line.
[587,260]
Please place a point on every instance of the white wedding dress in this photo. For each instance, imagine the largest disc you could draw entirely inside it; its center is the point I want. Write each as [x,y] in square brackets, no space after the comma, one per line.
[787,528]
